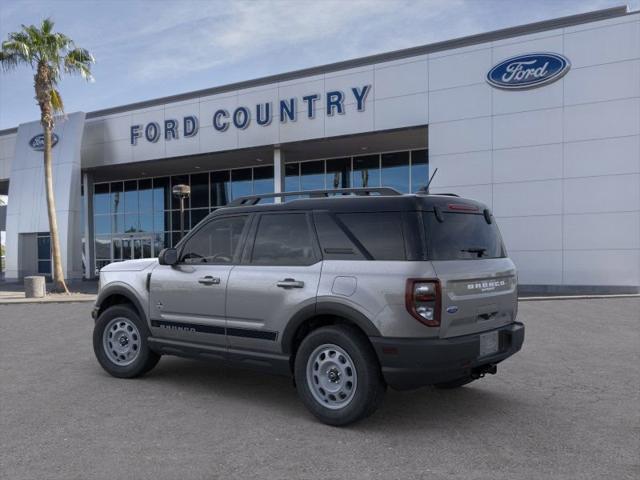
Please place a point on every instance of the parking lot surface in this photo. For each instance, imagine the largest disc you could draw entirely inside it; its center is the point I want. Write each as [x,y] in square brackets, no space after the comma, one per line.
[566,407]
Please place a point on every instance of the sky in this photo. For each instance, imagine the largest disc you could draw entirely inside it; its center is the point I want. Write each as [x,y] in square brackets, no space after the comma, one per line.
[149,49]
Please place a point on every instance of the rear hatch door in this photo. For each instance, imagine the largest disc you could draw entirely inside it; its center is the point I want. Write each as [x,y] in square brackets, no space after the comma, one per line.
[478,282]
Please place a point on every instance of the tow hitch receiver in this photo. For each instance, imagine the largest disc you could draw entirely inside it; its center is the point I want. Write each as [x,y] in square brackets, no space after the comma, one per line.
[483,370]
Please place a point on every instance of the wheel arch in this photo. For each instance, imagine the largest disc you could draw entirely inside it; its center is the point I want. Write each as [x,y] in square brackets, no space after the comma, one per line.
[321,314]
[118,294]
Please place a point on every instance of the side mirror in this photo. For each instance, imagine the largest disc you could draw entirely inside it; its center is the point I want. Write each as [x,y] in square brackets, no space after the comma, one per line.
[168,256]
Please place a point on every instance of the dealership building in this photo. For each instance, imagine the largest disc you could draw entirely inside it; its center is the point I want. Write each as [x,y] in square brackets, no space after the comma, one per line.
[541,122]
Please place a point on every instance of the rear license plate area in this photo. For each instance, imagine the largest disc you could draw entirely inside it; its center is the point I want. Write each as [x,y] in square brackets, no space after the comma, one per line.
[489,343]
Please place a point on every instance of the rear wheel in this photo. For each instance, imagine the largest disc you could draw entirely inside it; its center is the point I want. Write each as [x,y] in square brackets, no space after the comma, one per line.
[120,343]
[338,376]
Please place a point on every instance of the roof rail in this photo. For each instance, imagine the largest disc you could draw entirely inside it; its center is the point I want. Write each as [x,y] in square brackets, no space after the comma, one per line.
[254,199]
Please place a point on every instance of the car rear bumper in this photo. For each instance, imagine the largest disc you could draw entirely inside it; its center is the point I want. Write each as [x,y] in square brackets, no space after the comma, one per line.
[411,363]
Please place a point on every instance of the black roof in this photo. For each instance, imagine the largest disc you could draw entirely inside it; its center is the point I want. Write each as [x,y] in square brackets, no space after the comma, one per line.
[372,203]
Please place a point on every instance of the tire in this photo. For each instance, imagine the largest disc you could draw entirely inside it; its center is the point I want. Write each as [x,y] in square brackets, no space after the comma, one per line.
[454,383]
[125,353]
[348,358]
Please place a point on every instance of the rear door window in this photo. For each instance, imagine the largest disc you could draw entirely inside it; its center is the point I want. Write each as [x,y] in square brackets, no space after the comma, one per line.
[462,236]
[283,239]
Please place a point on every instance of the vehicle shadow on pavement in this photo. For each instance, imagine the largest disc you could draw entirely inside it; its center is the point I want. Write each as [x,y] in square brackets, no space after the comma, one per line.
[423,409]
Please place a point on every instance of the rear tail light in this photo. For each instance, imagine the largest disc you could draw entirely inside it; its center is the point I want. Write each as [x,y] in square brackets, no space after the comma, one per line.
[423,301]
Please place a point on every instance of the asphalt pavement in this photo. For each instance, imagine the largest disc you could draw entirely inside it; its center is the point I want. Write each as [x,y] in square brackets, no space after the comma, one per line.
[566,407]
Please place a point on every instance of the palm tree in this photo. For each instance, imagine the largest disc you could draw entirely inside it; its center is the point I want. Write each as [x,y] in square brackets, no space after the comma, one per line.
[50,55]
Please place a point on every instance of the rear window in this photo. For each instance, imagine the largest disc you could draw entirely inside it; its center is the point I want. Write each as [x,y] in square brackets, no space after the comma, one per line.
[462,236]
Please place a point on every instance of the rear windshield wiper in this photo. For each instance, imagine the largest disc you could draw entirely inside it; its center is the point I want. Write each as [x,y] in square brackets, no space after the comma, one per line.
[478,250]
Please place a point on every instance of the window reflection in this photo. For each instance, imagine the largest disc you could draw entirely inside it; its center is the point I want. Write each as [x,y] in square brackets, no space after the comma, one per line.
[220,188]
[395,171]
[292,177]
[312,175]
[241,182]
[419,169]
[338,173]
[366,171]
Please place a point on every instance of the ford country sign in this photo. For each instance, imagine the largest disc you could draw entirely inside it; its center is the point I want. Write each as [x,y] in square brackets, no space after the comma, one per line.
[37,142]
[528,71]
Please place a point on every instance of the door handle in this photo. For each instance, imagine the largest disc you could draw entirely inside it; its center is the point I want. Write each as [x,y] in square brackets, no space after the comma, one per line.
[290,283]
[209,280]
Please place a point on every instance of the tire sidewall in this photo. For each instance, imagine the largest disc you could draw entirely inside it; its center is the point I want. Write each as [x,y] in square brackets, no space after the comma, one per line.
[141,363]
[366,367]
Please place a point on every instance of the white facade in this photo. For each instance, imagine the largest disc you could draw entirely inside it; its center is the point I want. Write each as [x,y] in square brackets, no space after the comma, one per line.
[559,164]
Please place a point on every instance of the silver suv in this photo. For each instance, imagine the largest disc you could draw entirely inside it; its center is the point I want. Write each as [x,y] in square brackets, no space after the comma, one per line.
[347,291]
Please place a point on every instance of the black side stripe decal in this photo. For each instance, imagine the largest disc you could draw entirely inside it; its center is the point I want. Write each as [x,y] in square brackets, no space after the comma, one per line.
[199,328]
[247,333]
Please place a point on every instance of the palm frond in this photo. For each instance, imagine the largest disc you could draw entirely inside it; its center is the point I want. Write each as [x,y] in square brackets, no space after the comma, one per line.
[79,61]
[56,101]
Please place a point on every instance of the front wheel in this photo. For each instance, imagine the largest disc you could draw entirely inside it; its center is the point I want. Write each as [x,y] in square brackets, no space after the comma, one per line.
[338,376]
[120,343]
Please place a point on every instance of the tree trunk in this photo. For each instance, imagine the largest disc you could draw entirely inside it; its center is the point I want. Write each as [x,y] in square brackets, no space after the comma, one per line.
[59,284]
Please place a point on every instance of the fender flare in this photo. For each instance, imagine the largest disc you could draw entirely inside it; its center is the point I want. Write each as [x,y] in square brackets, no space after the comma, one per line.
[326,308]
[123,290]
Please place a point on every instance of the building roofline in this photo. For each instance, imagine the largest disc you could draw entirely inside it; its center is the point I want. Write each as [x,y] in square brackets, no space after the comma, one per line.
[494,35]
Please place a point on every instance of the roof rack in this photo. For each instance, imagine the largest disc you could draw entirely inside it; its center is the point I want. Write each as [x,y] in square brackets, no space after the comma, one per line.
[254,199]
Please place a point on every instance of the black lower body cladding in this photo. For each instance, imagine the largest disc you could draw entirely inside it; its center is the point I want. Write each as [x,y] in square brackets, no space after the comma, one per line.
[411,363]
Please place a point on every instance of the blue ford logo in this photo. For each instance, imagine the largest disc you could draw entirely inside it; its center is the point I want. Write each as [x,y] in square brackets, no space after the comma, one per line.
[452,309]
[37,142]
[528,71]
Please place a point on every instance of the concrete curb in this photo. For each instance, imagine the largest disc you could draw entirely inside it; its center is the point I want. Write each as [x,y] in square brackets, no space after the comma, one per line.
[69,299]
[576,297]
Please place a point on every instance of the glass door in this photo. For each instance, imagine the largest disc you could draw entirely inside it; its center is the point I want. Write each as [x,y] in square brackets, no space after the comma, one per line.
[132,247]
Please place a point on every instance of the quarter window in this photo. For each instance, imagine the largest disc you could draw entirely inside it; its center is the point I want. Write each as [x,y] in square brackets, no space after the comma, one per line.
[283,239]
[380,233]
[217,242]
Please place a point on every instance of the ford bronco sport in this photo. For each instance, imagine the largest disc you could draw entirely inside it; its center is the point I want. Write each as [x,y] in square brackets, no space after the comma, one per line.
[347,291]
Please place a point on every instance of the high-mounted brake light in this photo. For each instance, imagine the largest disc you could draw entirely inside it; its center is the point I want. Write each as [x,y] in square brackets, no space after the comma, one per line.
[422,298]
[461,207]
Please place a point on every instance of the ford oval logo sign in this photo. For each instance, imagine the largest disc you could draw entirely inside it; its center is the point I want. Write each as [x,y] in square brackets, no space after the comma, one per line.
[37,142]
[528,71]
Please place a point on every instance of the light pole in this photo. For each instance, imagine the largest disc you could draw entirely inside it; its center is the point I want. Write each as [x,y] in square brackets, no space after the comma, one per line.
[182,192]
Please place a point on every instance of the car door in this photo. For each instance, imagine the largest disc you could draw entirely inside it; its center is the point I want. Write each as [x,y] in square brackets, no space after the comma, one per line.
[278,276]
[187,300]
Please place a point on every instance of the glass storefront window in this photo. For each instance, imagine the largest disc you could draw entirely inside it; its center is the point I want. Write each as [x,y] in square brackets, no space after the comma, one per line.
[161,221]
[131,203]
[312,175]
[146,222]
[101,198]
[161,194]
[102,224]
[179,180]
[241,180]
[145,195]
[338,173]
[131,223]
[395,171]
[117,192]
[144,210]
[175,220]
[117,223]
[366,171]
[220,188]
[103,248]
[200,190]
[263,181]
[292,177]
[419,169]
